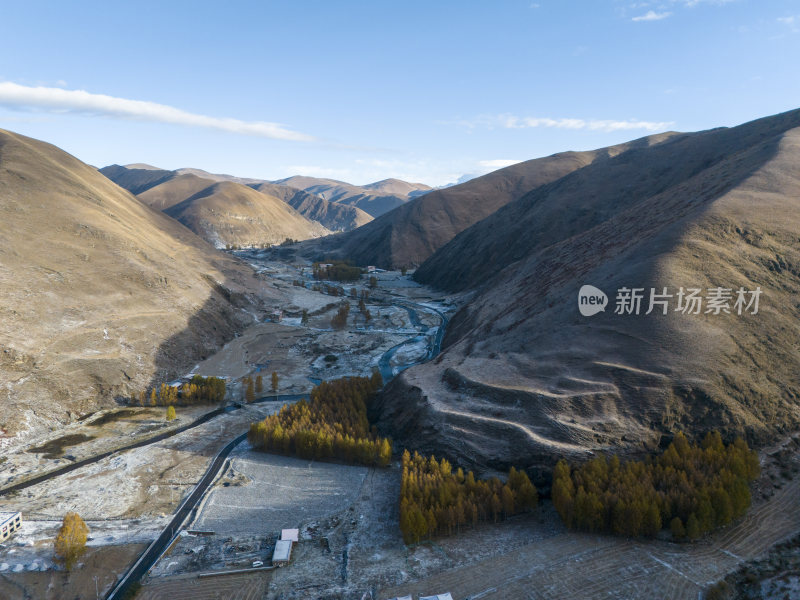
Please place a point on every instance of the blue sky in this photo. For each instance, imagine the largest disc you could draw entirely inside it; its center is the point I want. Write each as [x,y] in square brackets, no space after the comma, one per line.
[361,91]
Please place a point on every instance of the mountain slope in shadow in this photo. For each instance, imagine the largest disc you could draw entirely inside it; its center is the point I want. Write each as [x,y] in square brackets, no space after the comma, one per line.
[524,373]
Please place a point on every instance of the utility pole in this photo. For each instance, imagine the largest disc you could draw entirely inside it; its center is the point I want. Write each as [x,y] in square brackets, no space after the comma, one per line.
[96,589]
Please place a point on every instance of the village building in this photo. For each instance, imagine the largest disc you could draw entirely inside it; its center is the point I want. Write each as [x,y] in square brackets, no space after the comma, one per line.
[282,553]
[9,523]
[290,535]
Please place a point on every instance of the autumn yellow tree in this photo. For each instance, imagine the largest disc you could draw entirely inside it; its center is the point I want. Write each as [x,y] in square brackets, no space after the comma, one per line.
[70,543]
[250,394]
[333,424]
[171,416]
[692,488]
[274,381]
[448,501]
[259,385]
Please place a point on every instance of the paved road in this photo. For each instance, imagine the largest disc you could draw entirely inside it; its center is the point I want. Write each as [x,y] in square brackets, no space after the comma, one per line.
[154,551]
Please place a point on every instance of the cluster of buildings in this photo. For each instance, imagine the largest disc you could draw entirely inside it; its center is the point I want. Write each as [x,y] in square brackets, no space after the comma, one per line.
[283,547]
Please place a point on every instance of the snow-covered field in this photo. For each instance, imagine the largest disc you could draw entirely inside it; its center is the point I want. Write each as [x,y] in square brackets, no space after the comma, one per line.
[126,497]
[280,492]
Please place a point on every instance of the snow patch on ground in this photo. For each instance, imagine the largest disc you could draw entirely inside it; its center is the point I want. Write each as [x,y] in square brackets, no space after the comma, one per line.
[410,353]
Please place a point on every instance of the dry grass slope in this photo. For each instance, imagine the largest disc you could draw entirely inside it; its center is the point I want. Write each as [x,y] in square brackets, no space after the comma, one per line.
[524,373]
[409,235]
[375,198]
[101,294]
[231,213]
[333,216]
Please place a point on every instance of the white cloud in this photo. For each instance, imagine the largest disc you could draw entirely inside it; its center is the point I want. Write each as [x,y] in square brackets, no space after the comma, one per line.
[81,102]
[498,163]
[793,22]
[691,3]
[606,125]
[652,15]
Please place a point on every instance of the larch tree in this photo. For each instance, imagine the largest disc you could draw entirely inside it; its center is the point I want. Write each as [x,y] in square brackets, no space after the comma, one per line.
[250,393]
[274,381]
[70,542]
[171,416]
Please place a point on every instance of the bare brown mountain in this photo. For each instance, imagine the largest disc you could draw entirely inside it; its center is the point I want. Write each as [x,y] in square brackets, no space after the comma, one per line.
[375,198]
[398,187]
[524,374]
[102,295]
[162,189]
[410,234]
[173,190]
[336,217]
[136,178]
[217,176]
[227,213]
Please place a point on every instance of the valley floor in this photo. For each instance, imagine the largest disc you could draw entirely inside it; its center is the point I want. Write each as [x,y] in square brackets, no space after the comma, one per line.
[357,549]
[350,544]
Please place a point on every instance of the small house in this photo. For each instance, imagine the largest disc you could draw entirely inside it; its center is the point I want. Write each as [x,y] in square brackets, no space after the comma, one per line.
[282,553]
[371,268]
[9,523]
[290,535]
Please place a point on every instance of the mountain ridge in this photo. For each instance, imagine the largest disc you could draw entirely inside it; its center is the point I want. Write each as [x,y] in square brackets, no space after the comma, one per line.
[522,372]
[112,296]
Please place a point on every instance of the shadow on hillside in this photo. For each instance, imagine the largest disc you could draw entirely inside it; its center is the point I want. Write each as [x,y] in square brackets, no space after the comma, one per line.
[224,314]
[617,222]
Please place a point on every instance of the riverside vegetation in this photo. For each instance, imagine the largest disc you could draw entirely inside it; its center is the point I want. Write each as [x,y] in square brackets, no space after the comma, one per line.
[336,271]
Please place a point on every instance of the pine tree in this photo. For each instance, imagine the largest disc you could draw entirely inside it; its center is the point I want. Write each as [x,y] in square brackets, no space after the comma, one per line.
[274,382]
[70,542]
